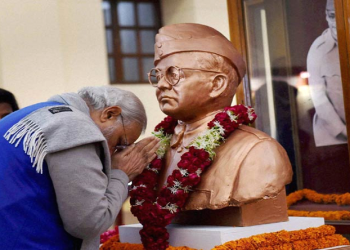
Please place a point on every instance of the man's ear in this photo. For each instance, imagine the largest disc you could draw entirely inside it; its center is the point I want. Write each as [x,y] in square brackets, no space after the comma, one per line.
[110,113]
[219,85]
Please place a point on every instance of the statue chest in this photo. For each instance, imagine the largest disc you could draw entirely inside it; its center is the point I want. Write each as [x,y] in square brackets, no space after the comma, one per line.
[173,156]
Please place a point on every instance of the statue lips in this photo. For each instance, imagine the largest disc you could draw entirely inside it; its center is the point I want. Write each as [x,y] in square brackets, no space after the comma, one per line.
[165,97]
[166,102]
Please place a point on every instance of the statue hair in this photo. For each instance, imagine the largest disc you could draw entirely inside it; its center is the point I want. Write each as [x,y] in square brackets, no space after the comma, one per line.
[102,97]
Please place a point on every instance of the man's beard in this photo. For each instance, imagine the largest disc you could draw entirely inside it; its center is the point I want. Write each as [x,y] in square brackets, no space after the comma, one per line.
[108,132]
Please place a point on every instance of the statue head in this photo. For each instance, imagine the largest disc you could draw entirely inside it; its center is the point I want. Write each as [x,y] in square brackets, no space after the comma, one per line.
[330,17]
[197,70]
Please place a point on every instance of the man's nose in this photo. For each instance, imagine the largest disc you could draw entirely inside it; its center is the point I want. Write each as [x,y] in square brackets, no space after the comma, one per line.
[163,84]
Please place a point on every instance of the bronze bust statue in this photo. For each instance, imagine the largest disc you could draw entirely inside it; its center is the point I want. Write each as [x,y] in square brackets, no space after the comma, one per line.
[248,175]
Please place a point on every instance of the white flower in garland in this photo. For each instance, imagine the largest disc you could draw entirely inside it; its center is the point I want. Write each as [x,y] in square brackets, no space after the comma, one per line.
[183,172]
[173,189]
[164,142]
[220,128]
[136,187]
[187,189]
[171,207]
[177,184]
[250,114]
[139,203]
[158,134]
[209,140]
[152,169]
[232,116]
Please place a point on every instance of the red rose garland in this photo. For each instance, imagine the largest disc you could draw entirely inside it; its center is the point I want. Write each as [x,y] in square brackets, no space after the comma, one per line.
[156,212]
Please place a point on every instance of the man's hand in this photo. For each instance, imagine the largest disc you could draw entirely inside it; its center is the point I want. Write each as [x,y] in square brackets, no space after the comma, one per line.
[136,157]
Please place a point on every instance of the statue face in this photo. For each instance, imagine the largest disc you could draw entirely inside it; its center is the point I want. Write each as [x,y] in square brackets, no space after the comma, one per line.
[189,98]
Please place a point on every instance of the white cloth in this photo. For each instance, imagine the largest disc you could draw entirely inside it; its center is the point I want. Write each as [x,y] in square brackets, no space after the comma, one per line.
[326,91]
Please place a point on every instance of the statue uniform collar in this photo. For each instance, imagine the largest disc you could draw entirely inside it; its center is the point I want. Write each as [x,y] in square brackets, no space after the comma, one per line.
[185,133]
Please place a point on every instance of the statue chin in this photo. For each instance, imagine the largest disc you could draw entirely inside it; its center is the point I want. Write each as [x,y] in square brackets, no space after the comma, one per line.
[166,109]
[169,109]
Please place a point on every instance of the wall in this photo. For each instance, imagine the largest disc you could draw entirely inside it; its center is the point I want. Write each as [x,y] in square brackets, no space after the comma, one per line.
[83,43]
[50,47]
[207,12]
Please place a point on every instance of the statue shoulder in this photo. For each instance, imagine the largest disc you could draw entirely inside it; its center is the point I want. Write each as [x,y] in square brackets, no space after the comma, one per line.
[256,145]
[250,165]
[248,144]
[265,140]
[248,135]
[253,132]
[266,164]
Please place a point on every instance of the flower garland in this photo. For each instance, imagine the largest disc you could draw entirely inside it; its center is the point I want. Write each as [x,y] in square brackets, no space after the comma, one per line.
[108,234]
[156,212]
[114,244]
[310,238]
[313,196]
[339,199]
[327,215]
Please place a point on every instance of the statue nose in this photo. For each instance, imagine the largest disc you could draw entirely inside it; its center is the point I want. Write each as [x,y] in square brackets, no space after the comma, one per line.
[163,84]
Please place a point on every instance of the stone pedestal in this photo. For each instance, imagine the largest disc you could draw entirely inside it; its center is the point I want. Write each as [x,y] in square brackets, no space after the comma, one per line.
[207,237]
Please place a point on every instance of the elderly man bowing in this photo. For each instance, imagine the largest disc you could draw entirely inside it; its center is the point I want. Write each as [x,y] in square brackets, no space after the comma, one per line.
[62,179]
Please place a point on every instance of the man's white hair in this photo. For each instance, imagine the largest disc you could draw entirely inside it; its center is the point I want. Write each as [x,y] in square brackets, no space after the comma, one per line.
[102,97]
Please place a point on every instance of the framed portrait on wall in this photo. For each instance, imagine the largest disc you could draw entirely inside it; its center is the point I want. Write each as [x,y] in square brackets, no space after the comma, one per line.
[297,57]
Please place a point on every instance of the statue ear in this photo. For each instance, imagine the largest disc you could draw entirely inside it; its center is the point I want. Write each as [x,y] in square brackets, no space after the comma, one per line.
[219,85]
